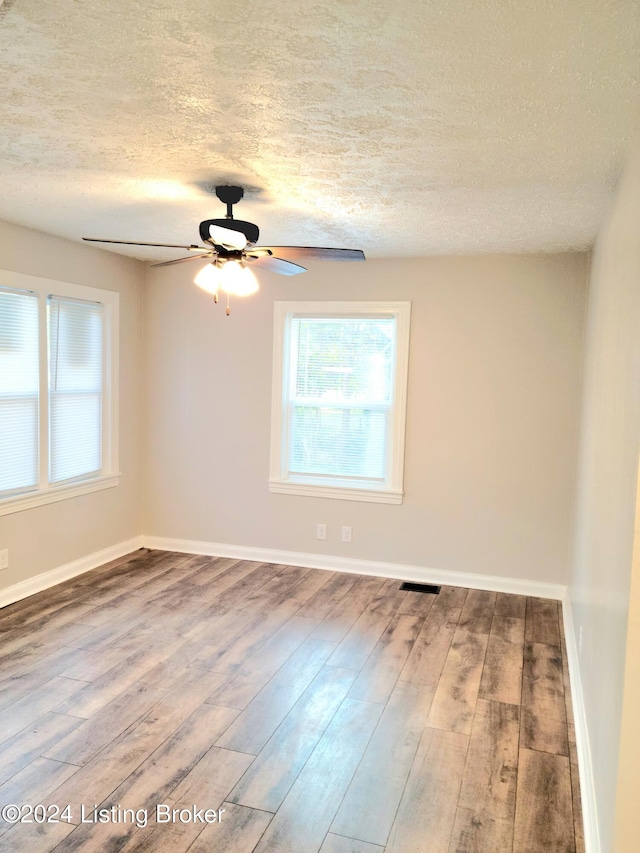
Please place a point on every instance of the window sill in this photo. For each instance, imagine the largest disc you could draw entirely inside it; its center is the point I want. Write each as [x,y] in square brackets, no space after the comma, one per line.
[380,496]
[18,503]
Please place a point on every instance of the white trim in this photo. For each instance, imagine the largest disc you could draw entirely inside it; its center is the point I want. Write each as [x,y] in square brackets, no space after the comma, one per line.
[43,581]
[57,493]
[585,764]
[381,496]
[401,571]
[279,481]
[420,574]
[43,395]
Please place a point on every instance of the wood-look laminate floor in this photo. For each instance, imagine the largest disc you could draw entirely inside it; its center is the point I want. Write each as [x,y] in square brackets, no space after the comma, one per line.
[321,711]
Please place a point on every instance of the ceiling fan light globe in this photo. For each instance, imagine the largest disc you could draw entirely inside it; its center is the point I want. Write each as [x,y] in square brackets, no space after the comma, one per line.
[238,280]
[209,278]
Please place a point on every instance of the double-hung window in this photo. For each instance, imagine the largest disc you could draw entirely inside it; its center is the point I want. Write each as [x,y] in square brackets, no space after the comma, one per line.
[339,399]
[58,390]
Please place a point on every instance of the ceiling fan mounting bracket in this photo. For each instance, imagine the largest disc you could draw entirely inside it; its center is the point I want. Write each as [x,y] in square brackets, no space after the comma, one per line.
[229,196]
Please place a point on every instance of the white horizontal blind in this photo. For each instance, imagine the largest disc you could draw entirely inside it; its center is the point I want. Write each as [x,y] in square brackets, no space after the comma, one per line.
[340,394]
[76,333]
[19,387]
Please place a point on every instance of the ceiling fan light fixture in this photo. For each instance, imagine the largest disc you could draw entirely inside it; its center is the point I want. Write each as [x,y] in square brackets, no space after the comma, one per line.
[231,275]
[209,278]
[237,279]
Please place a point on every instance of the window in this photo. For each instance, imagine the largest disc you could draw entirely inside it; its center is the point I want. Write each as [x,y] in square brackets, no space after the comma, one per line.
[339,399]
[58,390]
[19,389]
[76,334]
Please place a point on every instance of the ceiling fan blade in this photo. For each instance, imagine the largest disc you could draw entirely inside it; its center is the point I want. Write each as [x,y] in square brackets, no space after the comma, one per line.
[227,237]
[182,260]
[268,262]
[161,245]
[313,253]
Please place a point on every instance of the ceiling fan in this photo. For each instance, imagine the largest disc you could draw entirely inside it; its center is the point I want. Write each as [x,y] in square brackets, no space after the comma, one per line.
[231,246]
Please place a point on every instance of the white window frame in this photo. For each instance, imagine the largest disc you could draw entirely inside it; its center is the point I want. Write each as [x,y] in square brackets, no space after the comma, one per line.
[109,476]
[280,481]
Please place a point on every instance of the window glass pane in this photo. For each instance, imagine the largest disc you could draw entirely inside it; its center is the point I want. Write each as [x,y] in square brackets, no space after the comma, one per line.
[75,387]
[19,385]
[338,442]
[343,359]
[340,396]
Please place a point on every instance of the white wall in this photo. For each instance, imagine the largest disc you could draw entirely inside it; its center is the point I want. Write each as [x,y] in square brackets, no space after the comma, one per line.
[600,580]
[627,816]
[50,536]
[495,374]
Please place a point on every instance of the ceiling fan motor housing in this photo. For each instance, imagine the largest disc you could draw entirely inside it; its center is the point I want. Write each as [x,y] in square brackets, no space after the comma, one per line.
[250,231]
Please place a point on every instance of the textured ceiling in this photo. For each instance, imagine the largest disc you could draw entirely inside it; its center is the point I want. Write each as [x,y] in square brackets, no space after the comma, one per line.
[417,127]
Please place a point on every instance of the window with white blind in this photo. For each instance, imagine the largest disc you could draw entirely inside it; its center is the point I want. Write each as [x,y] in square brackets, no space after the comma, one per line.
[76,345]
[339,399]
[19,390]
[58,390]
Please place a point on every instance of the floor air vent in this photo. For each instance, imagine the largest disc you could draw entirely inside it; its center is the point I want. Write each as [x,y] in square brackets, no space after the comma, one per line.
[420,587]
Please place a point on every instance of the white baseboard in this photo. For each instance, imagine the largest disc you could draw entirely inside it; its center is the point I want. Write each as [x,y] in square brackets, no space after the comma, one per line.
[419,574]
[585,765]
[28,587]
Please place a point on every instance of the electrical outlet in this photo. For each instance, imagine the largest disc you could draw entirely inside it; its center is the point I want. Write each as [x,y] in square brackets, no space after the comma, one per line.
[321,531]
[4,559]
[346,534]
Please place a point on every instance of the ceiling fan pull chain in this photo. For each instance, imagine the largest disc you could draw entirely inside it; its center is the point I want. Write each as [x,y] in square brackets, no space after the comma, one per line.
[228,308]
